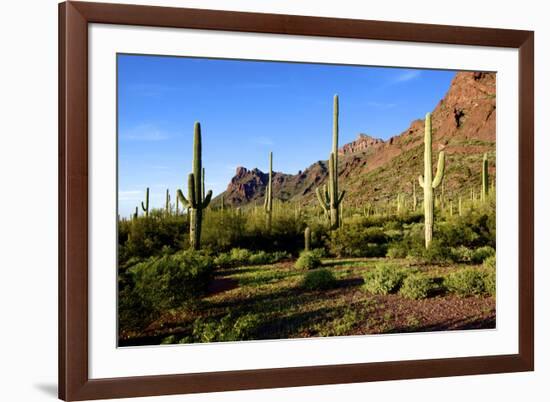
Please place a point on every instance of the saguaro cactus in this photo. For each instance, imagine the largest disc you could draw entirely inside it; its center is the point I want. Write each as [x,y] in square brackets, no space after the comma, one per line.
[330,199]
[177,206]
[135,214]
[399,202]
[195,203]
[167,202]
[268,203]
[427,183]
[145,206]
[485,178]
[414,200]
[307,239]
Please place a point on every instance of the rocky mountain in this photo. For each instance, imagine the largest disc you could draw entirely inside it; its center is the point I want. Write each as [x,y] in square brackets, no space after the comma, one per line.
[374,170]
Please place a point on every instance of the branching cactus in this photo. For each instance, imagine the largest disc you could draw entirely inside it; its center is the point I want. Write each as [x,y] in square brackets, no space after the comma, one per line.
[331,198]
[485,178]
[268,203]
[195,203]
[145,206]
[429,184]
[307,239]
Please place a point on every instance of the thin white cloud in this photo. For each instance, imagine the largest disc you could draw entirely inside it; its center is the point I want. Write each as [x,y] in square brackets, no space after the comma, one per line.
[144,132]
[406,75]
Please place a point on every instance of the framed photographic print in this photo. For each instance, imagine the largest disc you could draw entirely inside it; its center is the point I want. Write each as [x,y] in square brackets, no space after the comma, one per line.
[259,200]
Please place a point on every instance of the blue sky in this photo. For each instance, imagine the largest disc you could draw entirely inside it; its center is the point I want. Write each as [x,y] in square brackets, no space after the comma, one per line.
[248,108]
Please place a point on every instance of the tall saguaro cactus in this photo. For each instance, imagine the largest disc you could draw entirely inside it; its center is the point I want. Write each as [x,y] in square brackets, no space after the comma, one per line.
[167,206]
[485,178]
[268,203]
[330,198]
[195,203]
[414,200]
[145,206]
[427,183]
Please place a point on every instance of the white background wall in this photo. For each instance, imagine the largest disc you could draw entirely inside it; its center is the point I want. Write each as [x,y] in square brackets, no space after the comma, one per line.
[28,198]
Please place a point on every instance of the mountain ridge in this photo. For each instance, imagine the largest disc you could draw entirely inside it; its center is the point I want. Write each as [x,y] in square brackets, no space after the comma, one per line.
[373,170]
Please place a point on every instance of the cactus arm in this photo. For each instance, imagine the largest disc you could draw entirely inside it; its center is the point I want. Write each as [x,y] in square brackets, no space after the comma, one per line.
[184,202]
[321,200]
[207,199]
[341,197]
[440,170]
[143,206]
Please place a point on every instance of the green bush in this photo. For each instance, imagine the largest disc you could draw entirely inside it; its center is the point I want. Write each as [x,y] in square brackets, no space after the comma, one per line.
[307,260]
[481,253]
[490,262]
[319,279]
[384,279]
[357,240]
[397,250]
[461,254]
[467,282]
[490,281]
[319,252]
[172,281]
[228,328]
[259,258]
[240,255]
[416,286]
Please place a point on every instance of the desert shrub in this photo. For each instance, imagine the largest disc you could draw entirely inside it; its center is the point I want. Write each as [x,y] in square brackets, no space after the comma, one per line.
[152,236]
[461,254]
[319,252]
[168,340]
[490,262]
[357,240]
[481,253]
[166,282]
[307,260]
[466,282]
[241,257]
[397,250]
[223,260]
[259,258]
[228,328]
[437,252]
[384,279]
[416,286]
[319,279]
[133,313]
[490,282]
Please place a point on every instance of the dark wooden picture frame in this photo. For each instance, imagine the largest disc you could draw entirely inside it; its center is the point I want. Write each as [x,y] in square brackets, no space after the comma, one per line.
[74,381]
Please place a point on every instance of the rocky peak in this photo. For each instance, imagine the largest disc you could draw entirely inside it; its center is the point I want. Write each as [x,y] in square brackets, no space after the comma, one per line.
[363,143]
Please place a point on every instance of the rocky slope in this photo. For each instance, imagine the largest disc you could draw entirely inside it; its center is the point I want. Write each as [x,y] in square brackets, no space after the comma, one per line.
[373,170]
